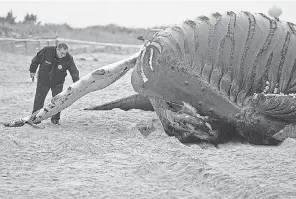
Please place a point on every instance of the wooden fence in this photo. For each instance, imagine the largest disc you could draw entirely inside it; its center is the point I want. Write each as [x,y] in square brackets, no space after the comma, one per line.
[31,46]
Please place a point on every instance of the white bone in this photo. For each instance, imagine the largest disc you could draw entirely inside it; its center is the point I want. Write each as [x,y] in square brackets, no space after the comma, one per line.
[93,81]
[144,77]
[150,58]
[209,126]
[157,45]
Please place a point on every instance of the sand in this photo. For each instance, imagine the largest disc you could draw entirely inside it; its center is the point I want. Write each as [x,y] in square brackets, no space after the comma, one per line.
[123,154]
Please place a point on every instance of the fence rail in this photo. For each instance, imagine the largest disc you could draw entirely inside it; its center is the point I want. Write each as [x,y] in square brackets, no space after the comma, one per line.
[29,40]
[30,46]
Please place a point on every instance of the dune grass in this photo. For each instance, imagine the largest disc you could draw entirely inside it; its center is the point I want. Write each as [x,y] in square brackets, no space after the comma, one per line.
[110,33]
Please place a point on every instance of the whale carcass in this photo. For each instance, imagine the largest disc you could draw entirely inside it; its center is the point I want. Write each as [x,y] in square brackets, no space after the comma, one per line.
[231,72]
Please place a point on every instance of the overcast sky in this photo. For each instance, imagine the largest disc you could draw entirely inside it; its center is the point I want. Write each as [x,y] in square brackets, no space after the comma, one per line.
[137,13]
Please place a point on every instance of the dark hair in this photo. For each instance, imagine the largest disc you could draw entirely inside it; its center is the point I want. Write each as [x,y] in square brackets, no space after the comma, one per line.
[63,46]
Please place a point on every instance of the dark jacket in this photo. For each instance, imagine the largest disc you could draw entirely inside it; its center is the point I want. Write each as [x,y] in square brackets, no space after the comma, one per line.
[53,70]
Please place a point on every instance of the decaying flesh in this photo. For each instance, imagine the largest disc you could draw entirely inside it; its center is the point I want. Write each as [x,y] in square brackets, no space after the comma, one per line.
[210,76]
[236,68]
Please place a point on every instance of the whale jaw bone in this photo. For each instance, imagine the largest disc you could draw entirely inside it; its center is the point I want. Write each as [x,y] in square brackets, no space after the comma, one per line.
[96,80]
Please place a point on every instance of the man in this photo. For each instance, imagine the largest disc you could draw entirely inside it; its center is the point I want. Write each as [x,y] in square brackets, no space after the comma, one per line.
[53,62]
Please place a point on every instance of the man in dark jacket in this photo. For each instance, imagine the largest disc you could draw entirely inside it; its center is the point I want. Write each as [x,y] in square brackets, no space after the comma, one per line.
[53,62]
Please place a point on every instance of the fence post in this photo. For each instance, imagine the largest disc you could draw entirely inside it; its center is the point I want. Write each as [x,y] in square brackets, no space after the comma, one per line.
[13,46]
[56,39]
[39,44]
[26,45]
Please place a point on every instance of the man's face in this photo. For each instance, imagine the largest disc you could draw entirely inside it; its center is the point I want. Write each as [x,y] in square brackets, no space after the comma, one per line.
[61,52]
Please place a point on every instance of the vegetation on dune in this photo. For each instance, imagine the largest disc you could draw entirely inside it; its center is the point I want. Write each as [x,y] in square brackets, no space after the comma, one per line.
[30,27]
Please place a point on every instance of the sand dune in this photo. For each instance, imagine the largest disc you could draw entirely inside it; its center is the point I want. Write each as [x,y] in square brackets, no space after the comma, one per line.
[109,154]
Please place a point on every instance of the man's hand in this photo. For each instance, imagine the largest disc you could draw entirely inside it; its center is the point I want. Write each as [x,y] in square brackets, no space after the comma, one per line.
[32,75]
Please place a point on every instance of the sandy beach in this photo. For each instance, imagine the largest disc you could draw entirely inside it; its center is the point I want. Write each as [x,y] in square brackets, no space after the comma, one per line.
[123,154]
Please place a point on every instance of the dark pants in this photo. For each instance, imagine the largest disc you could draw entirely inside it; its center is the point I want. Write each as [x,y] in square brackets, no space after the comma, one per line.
[41,92]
